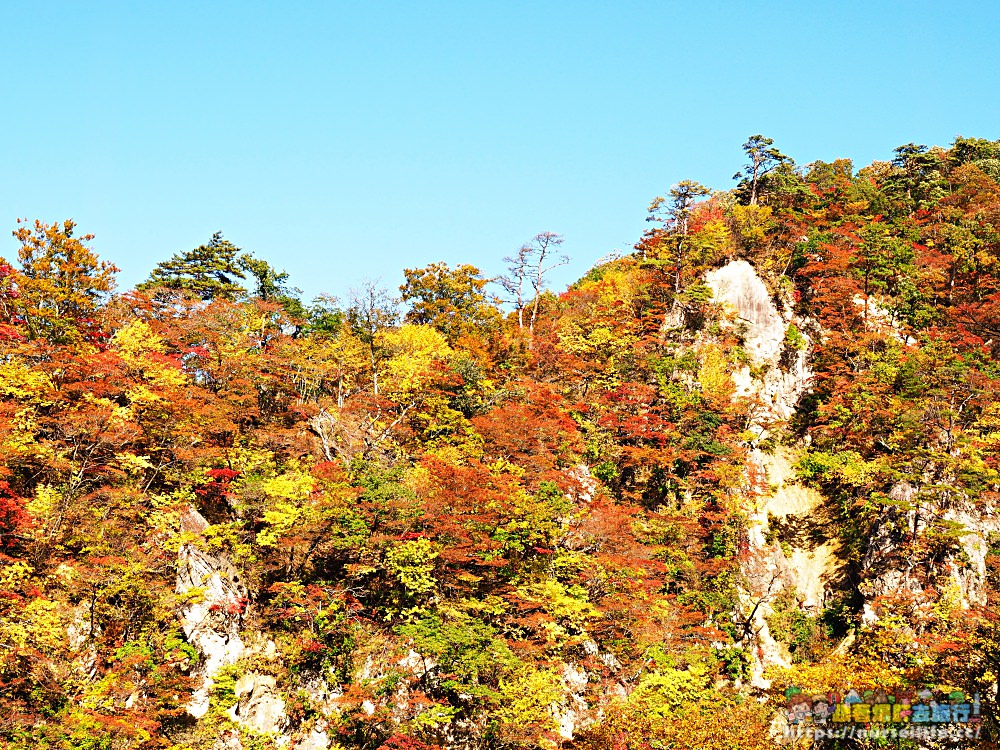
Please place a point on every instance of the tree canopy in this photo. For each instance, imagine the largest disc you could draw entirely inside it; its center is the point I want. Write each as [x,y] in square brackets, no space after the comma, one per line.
[235,520]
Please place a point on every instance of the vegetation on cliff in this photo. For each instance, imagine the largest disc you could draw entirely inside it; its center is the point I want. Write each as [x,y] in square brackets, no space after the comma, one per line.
[515,494]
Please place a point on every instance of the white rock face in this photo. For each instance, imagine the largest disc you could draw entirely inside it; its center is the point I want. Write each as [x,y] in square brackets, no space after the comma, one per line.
[417,664]
[779,379]
[813,566]
[317,739]
[80,634]
[572,715]
[970,579]
[766,574]
[228,740]
[814,559]
[258,705]
[737,288]
[587,485]
[878,318]
[211,620]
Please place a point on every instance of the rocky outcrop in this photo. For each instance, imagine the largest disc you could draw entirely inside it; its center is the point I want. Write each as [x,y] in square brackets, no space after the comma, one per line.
[885,570]
[878,318]
[81,632]
[794,548]
[258,705]
[778,373]
[585,485]
[960,575]
[214,603]
[317,739]
[797,519]
[573,714]
[804,559]
[212,612]
[737,286]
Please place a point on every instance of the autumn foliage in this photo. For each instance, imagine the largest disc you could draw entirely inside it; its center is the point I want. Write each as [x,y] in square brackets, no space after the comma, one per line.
[445,518]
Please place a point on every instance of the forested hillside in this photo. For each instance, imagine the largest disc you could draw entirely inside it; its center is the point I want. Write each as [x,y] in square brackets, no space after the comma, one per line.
[760,452]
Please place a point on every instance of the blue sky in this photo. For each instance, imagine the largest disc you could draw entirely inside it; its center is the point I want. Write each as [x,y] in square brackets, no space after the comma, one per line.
[344,141]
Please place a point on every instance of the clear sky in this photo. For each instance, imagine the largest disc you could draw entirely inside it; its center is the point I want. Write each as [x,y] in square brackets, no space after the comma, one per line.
[348,140]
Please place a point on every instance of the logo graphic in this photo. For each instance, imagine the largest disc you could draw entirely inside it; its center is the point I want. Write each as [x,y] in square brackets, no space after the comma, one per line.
[911,713]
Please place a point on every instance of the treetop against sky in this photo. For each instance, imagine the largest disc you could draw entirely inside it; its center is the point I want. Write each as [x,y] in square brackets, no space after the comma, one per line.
[347,141]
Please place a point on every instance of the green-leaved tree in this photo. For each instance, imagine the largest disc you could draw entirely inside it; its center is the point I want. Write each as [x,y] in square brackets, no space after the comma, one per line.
[211,271]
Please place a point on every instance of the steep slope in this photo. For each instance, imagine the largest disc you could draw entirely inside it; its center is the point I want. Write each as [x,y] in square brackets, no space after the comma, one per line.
[753,465]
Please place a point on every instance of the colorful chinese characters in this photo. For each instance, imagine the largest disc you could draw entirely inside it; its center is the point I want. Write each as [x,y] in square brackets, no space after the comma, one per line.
[923,706]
